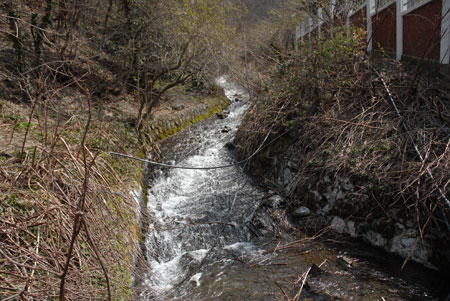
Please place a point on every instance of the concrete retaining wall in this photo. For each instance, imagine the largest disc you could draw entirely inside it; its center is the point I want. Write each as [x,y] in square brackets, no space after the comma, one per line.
[167,125]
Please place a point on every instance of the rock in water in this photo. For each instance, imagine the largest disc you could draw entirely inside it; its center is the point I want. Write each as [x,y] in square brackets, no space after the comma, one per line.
[230,145]
[315,271]
[222,115]
[275,201]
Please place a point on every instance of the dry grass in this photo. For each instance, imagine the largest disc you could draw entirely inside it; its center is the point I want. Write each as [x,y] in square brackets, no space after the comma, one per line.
[338,120]
[42,181]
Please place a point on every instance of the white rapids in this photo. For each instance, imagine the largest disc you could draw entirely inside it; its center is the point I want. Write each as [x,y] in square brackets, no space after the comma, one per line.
[196,213]
[199,243]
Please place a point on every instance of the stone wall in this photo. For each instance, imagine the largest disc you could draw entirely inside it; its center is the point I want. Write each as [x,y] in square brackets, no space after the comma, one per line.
[332,201]
[167,125]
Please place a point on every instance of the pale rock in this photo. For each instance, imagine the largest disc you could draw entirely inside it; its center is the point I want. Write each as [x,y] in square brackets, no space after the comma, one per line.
[316,194]
[402,245]
[351,230]
[340,195]
[375,239]
[275,201]
[346,185]
[338,224]
[287,176]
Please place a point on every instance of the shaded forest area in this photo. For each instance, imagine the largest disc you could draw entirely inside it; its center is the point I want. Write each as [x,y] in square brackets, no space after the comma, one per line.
[140,47]
[79,79]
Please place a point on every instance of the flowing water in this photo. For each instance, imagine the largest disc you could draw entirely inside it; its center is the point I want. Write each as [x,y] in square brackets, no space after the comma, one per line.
[200,244]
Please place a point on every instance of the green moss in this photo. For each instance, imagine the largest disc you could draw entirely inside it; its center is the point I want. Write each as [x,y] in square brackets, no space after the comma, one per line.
[316,162]
[17,203]
[162,132]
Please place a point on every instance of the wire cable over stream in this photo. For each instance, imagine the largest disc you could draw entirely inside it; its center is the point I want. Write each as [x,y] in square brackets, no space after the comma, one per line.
[194,167]
[261,146]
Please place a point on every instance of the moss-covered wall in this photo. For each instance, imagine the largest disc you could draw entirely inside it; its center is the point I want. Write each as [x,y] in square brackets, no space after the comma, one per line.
[160,128]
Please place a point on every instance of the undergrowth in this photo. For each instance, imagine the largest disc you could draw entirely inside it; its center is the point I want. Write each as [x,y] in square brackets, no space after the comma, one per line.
[333,117]
[43,180]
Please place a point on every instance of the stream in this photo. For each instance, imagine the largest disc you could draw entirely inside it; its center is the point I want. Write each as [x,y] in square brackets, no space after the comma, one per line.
[202,243]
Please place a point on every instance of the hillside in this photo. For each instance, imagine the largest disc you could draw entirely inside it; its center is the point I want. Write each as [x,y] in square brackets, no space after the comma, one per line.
[77,81]
[359,140]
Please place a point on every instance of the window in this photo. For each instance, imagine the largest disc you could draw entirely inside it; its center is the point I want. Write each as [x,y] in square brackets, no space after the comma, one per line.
[407,4]
[376,5]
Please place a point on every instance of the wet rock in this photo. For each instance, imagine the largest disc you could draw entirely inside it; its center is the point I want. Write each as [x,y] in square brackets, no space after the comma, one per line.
[301,212]
[222,115]
[230,145]
[225,129]
[262,224]
[236,99]
[346,261]
[275,201]
[315,271]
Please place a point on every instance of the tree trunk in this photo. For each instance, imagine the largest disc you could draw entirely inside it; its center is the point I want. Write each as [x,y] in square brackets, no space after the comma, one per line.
[38,30]
[13,12]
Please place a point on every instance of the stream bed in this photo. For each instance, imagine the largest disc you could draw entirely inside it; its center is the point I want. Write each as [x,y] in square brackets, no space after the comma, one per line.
[202,242]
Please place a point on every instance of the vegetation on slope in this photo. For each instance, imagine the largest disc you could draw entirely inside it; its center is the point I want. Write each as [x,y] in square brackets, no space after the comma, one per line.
[333,117]
[78,80]
[56,182]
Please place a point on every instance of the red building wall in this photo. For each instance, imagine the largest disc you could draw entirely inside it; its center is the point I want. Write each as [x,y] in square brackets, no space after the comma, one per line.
[359,19]
[421,31]
[384,29]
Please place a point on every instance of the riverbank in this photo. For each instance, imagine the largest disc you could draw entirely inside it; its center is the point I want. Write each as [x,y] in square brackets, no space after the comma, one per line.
[341,156]
[217,234]
[45,186]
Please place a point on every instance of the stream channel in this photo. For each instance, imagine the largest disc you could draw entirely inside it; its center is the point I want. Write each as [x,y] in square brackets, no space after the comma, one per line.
[201,244]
